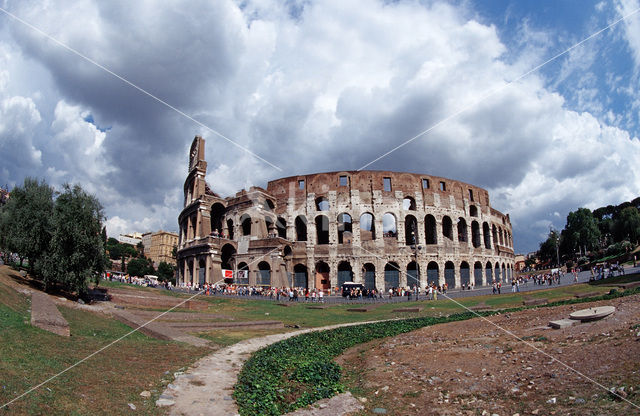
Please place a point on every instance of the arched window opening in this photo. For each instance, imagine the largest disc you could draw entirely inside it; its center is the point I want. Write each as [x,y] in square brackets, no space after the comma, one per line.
[475,234]
[367,227]
[389,225]
[345,229]
[465,275]
[322,229]
[433,273]
[409,204]
[300,276]
[271,228]
[413,275]
[447,227]
[264,274]
[301,228]
[450,274]
[487,237]
[473,211]
[494,234]
[430,229]
[391,276]
[462,230]
[242,277]
[322,204]
[217,214]
[477,273]
[411,230]
[500,234]
[322,276]
[230,229]
[369,276]
[281,226]
[227,255]
[269,206]
[345,273]
[245,220]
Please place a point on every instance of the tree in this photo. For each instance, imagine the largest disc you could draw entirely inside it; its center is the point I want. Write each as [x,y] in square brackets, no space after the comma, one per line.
[627,225]
[76,251]
[166,271]
[547,251]
[25,224]
[139,267]
[581,231]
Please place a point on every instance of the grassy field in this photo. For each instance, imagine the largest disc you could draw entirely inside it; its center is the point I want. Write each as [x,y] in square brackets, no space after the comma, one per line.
[109,381]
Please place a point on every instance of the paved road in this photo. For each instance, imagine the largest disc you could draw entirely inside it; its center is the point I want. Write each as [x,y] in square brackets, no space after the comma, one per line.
[567,280]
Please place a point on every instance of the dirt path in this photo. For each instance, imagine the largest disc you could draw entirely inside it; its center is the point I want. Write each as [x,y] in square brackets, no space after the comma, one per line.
[472,367]
[207,387]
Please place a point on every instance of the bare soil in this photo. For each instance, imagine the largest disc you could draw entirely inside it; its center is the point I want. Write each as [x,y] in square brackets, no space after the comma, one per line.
[476,368]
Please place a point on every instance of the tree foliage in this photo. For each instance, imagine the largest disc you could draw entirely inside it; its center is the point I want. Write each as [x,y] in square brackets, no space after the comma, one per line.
[140,266]
[581,231]
[25,223]
[166,272]
[76,250]
[61,237]
[627,225]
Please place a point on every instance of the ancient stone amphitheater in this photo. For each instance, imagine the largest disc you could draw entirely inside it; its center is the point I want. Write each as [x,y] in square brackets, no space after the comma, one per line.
[382,229]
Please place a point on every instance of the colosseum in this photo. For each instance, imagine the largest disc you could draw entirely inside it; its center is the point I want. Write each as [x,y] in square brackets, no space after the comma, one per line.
[382,229]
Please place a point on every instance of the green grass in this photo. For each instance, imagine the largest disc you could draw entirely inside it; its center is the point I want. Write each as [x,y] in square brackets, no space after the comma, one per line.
[104,384]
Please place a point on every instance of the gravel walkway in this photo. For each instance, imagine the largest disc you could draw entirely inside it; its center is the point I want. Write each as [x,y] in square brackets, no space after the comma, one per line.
[207,387]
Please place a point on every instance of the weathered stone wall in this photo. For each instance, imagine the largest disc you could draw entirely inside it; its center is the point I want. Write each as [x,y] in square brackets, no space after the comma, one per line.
[460,237]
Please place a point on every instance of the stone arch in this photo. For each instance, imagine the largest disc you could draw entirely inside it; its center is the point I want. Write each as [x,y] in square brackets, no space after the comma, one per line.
[430,229]
[301,228]
[243,274]
[322,204]
[322,230]
[465,274]
[504,272]
[408,203]
[489,273]
[281,226]
[473,211]
[227,254]
[389,228]
[411,230]
[369,273]
[497,274]
[462,230]
[477,274]
[322,276]
[245,221]
[345,228]
[300,276]
[487,238]
[345,273]
[264,274]
[475,234]
[217,214]
[413,274]
[391,275]
[367,227]
[494,234]
[271,227]
[501,236]
[450,274]
[447,227]
[433,273]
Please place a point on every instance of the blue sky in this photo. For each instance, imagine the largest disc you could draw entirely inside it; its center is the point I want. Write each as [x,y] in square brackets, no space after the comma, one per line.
[324,86]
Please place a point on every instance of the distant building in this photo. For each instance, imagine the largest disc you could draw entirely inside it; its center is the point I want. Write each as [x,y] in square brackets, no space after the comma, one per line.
[133,239]
[158,246]
[519,263]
